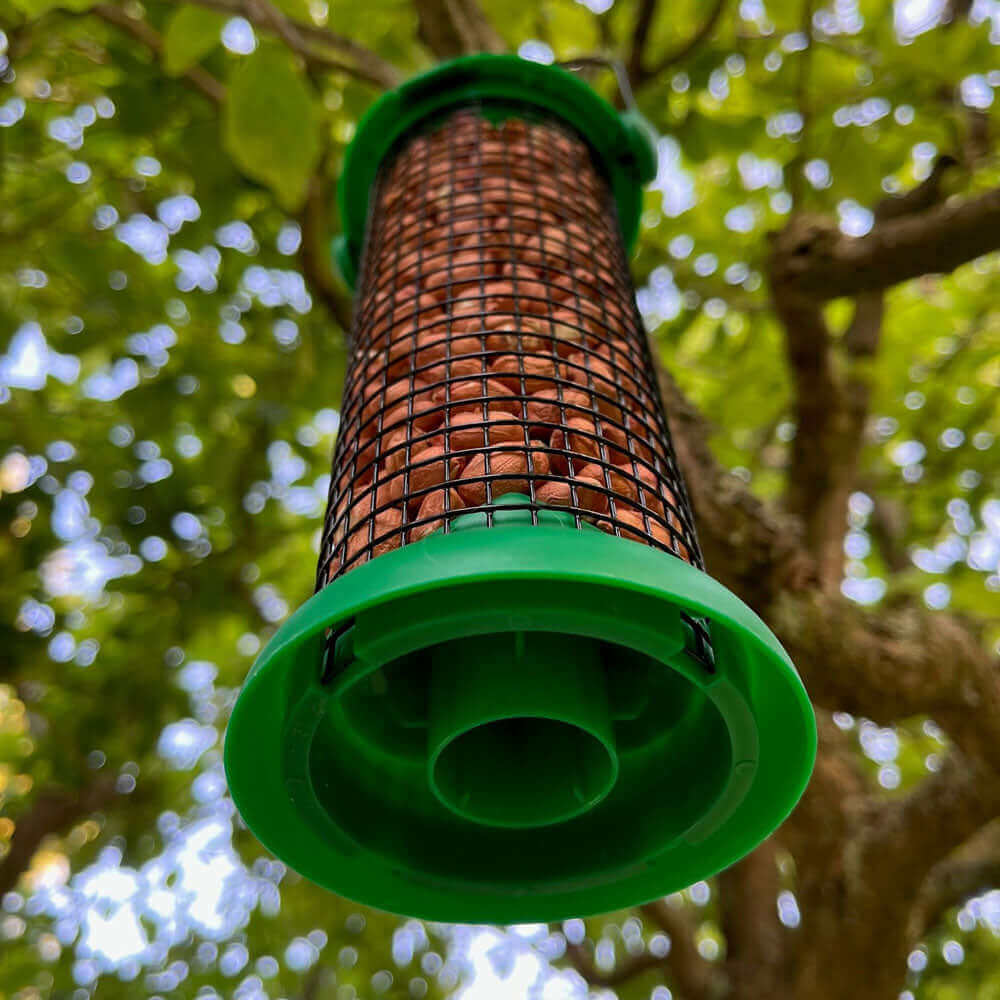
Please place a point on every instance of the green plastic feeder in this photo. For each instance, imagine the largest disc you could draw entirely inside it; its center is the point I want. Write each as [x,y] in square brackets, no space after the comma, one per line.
[517,717]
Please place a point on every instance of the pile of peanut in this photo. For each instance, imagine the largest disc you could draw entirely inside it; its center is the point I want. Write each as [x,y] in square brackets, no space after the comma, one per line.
[496,348]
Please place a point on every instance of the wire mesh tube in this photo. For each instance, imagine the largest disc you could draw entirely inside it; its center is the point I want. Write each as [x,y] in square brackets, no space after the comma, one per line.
[497,351]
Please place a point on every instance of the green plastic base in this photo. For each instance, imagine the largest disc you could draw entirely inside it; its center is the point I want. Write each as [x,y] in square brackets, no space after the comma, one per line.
[623,144]
[514,727]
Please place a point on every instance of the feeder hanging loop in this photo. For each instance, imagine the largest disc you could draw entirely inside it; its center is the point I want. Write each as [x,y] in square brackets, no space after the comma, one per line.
[606,62]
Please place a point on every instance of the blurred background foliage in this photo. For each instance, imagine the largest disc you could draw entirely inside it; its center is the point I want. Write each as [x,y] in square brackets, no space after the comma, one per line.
[171,371]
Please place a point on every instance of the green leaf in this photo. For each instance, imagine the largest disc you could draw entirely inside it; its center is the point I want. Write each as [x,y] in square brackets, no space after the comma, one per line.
[297,10]
[192,32]
[34,8]
[271,123]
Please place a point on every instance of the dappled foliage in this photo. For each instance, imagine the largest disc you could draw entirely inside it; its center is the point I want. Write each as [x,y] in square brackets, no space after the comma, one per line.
[173,355]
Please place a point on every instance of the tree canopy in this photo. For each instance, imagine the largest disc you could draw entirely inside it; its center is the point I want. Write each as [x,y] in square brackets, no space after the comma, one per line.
[818,270]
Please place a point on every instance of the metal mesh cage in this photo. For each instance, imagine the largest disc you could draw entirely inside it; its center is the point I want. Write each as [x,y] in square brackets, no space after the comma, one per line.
[497,351]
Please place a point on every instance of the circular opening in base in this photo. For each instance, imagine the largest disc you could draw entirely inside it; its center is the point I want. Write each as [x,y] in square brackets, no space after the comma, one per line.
[523,772]
[500,759]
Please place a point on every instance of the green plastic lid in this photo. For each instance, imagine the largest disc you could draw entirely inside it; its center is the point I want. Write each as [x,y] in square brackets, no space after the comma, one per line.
[624,144]
[517,723]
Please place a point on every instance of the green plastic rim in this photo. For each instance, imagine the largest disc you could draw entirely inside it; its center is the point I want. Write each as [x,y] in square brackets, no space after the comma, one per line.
[623,143]
[392,771]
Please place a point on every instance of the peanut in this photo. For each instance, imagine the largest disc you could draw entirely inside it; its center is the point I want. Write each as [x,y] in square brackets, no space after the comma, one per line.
[430,468]
[579,438]
[453,368]
[541,464]
[393,393]
[639,526]
[436,345]
[390,490]
[469,430]
[620,484]
[470,394]
[431,513]
[385,535]
[536,373]
[393,449]
[421,411]
[560,494]
[544,407]
[473,489]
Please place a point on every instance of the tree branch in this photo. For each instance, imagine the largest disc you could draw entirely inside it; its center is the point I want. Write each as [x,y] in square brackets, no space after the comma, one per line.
[451,28]
[815,834]
[887,526]
[755,939]
[581,960]
[749,546]
[142,32]
[815,468]
[315,980]
[972,869]
[831,412]
[309,41]
[695,976]
[793,171]
[895,663]
[907,838]
[50,813]
[686,48]
[813,258]
[640,36]
[314,253]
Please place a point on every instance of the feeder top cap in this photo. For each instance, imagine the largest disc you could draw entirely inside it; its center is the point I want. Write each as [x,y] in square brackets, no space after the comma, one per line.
[623,142]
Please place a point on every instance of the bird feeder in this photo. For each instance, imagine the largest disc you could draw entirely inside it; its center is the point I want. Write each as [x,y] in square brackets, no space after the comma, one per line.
[516,695]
